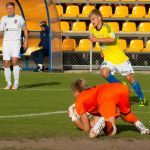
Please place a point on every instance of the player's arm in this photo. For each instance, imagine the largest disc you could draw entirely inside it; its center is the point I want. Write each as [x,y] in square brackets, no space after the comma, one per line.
[102,40]
[109,36]
[86,123]
[24,28]
[26,34]
[1,26]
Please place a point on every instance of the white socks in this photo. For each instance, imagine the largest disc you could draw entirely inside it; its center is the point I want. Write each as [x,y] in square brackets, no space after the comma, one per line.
[7,73]
[16,72]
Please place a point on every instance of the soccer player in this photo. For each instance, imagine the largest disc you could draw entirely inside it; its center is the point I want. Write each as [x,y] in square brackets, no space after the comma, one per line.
[12,25]
[109,128]
[114,57]
[106,100]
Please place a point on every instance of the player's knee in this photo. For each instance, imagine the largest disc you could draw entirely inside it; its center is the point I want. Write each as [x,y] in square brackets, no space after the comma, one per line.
[104,73]
[6,64]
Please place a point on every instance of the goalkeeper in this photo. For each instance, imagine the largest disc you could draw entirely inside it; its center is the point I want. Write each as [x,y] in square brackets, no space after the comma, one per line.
[103,99]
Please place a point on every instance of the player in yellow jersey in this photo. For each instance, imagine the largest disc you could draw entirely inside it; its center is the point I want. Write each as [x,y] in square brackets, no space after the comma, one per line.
[114,57]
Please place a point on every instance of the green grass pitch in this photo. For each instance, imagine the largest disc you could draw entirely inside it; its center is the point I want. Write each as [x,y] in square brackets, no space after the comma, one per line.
[50,92]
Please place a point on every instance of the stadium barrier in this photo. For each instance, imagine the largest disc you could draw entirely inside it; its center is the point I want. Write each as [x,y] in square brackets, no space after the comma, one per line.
[89,56]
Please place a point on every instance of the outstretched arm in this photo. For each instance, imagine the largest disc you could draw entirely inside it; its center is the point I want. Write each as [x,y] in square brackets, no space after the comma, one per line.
[86,123]
[102,40]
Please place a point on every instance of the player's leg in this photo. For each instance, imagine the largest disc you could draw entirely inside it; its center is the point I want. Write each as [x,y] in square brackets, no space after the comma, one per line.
[16,72]
[6,64]
[7,74]
[38,58]
[107,70]
[127,71]
[126,114]
[15,62]
[136,86]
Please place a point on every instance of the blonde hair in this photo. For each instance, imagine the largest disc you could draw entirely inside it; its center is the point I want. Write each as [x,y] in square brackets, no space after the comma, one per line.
[95,12]
[79,85]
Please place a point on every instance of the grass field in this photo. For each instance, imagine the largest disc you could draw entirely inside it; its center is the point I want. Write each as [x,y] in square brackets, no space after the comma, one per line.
[45,93]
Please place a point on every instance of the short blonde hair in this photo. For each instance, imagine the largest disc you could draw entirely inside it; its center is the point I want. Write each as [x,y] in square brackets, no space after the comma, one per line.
[95,12]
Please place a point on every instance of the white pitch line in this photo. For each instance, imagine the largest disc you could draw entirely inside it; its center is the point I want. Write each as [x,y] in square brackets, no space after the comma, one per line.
[48,113]
[31,115]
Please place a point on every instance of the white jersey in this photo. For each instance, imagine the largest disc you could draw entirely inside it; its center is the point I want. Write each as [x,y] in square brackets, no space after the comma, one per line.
[12,26]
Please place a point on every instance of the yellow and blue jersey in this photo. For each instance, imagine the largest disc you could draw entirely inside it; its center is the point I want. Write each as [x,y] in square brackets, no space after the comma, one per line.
[112,52]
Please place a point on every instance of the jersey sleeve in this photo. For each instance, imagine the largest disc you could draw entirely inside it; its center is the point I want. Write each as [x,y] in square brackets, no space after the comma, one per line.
[22,23]
[80,107]
[2,25]
[109,31]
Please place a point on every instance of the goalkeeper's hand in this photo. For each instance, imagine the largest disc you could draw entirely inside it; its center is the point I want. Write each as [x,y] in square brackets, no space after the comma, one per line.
[72,113]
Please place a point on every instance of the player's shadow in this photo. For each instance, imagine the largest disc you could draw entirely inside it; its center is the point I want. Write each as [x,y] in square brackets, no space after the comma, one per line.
[133,100]
[124,128]
[27,86]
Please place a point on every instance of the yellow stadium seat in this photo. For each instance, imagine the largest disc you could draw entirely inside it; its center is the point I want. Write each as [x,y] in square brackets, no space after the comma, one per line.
[148,15]
[79,26]
[135,46]
[33,25]
[68,44]
[143,0]
[72,11]
[31,49]
[123,44]
[106,11]
[59,10]
[32,46]
[90,27]
[114,26]
[144,27]
[96,0]
[84,45]
[97,47]
[147,49]
[111,0]
[64,25]
[33,42]
[128,0]
[129,27]
[121,12]
[56,44]
[138,12]
[86,11]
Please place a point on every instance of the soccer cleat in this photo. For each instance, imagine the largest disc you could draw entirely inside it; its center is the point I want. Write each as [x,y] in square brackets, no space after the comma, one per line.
[15,87]
[142,102]
[124,83]
[98,128]
[39,69]
[8,87]
[141,127]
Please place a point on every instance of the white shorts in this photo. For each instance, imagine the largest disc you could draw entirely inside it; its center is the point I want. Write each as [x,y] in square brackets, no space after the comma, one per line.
[11,49]
[124,68]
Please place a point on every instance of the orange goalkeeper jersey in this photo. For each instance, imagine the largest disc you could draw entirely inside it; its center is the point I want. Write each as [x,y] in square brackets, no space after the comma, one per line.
[104,100]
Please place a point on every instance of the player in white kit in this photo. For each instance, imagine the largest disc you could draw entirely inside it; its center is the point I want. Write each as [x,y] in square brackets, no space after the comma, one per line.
[12,25]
